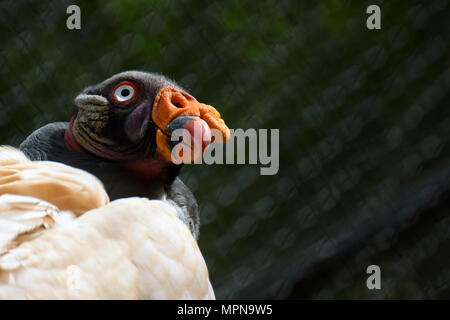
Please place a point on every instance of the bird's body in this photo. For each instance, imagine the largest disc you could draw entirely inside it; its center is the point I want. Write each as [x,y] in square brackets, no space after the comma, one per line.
[142,245]
[132,248]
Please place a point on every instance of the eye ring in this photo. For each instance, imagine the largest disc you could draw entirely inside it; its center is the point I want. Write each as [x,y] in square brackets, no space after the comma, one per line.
[124,91]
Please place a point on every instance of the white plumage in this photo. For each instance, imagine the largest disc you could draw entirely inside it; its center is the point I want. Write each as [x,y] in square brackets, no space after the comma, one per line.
[61,239]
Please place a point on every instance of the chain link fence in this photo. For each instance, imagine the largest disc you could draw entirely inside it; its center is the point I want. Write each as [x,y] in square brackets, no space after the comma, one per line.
[363,116]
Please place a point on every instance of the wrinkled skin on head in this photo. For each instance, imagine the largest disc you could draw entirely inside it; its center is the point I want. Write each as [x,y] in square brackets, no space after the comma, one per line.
[114,136]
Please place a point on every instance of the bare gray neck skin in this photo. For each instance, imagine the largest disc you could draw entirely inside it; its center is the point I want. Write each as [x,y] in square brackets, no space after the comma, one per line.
[47,143]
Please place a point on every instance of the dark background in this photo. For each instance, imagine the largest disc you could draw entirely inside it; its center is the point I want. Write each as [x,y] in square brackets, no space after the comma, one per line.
[363,116]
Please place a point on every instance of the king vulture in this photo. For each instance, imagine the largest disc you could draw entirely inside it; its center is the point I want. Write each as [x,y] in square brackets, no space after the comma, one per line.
[56,217]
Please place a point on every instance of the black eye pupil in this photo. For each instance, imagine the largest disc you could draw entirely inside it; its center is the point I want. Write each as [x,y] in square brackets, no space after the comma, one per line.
[125,92]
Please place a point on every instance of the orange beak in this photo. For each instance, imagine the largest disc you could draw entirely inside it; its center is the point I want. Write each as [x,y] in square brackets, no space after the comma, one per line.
[170,104]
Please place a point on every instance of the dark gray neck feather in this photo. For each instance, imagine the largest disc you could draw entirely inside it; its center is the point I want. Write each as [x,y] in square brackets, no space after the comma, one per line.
[47,143]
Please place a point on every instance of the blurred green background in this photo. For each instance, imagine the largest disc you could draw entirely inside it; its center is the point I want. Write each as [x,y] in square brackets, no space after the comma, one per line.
[363,116]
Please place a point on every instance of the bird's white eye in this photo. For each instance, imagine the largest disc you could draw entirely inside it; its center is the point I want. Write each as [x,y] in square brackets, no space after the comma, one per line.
[125,92]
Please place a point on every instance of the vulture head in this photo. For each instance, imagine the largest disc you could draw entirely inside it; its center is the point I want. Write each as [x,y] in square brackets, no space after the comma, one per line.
[121,132]
[129,119]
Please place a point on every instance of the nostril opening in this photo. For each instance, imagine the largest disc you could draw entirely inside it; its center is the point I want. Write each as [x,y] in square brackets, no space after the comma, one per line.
[178,101]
